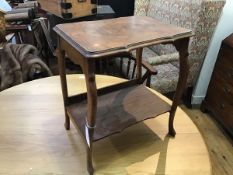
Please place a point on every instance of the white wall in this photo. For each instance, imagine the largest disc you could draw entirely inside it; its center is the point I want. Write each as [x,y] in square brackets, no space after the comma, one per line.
[223,29]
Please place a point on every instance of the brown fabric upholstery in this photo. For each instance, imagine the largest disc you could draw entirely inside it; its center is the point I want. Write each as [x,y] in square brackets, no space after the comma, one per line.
[20,63]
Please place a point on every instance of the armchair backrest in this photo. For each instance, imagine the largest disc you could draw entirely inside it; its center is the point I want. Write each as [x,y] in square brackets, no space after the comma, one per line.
[141,7]
[201,16]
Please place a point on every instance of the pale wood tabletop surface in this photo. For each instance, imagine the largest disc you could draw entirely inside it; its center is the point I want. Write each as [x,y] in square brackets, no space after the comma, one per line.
[34,140]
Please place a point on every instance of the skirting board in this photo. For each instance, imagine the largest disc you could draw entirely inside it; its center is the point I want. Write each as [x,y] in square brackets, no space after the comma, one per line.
[197,100]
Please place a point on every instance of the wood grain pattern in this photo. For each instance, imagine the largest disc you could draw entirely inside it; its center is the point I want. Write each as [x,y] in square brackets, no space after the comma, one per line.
[105,37]
[219,97]
[33,141]
[218,142]
[117,110]
[91,106]
[52,6]
[78,9]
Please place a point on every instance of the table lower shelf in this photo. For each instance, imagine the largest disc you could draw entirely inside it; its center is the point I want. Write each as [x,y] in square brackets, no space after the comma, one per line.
[118,110]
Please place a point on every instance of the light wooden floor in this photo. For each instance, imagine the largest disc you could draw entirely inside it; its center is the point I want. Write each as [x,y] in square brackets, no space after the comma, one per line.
[33,140]
[219,145]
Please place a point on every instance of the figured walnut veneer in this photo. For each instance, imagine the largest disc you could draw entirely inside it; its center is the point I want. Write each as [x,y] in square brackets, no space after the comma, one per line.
[99,38]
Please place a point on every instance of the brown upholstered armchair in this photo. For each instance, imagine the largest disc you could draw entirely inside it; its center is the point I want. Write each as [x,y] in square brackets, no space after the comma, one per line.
[201,16]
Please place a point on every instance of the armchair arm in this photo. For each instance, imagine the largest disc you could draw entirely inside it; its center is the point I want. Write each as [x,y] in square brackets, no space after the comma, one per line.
[150,70]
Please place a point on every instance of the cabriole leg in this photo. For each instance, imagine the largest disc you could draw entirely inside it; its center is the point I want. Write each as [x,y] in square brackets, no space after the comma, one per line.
[89,71]
[182,48]
[62,72]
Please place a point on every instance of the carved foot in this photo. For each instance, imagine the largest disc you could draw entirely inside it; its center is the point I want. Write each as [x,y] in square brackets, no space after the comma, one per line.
[67,126]
[67,123]
[90,169]
[172,132]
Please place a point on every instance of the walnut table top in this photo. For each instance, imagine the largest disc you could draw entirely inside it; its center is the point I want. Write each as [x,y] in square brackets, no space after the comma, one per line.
[104,37]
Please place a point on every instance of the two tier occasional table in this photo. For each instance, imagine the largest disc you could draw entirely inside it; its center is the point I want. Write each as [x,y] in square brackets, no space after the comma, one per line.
[105,111]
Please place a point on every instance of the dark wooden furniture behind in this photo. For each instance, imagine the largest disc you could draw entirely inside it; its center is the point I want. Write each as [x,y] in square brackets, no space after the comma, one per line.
[103,12]
[70,8]
[121,7]
[121,105]
[219,97]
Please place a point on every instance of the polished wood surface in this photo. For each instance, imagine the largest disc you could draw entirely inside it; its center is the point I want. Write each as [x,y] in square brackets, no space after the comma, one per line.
[218,142]
[74,7]
[118,110]
[104,37]
[219,97]
[82,42]
[33,141]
